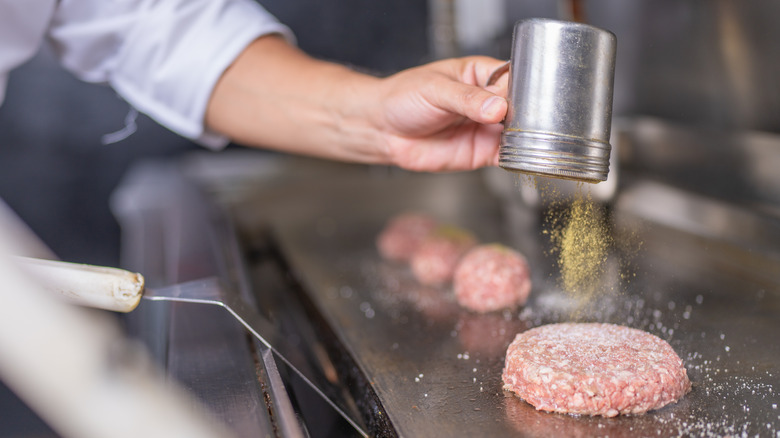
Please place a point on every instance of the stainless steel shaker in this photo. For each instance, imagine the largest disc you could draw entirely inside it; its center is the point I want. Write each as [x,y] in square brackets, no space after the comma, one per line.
[560,100]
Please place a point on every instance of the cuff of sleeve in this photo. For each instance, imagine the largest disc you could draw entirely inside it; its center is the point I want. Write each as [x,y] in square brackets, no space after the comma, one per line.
[173,82]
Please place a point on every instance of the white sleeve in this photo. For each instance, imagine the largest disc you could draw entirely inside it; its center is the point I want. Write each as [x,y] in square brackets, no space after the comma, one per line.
[163,56]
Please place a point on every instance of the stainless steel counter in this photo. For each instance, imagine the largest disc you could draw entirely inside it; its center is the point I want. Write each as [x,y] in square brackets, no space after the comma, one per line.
[437,368]
[698,272]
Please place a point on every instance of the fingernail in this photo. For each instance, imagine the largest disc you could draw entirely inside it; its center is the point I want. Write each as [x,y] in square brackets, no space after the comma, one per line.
[492,105]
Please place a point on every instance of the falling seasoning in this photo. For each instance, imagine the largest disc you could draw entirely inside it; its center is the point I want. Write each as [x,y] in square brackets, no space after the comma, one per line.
[580,240]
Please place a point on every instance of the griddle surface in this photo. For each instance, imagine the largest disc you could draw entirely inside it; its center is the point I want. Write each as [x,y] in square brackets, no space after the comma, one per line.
[437,368]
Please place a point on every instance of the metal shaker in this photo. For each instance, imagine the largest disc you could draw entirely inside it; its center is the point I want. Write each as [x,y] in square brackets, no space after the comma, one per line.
[560,101]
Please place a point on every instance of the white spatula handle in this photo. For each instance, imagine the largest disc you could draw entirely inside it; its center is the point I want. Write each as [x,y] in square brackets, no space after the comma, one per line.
[87,285]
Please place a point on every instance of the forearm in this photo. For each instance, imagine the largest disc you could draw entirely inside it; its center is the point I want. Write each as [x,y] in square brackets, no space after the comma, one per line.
[434,117]
[275,96]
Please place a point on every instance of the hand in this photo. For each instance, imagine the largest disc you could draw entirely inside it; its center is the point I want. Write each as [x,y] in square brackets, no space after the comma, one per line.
[431,118]
[439,117]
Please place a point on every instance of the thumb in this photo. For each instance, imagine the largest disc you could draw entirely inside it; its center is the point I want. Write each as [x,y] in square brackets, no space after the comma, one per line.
[469,101]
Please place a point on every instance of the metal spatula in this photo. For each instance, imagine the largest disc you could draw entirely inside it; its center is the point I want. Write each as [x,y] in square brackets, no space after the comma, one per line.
[119,290]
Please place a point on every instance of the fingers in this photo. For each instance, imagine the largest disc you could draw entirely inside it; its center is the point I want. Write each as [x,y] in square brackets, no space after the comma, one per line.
[478,70]
[465,148]
[478,104]
[500,87]
[461,88]
[497,74]
[493,109]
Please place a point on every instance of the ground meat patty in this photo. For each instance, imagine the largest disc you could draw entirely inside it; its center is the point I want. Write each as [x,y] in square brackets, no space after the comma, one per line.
[403,234]
[594,369]
[434,262]
[492,277]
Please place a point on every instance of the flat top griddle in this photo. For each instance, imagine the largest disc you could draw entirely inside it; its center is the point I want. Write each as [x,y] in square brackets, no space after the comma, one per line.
[437,368]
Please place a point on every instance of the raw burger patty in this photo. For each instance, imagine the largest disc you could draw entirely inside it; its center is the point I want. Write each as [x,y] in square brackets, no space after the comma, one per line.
[594,369]
[434,262]
[403,234]
[492,277]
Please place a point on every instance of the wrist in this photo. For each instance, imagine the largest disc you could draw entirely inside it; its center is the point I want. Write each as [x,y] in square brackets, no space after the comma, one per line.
[357,100]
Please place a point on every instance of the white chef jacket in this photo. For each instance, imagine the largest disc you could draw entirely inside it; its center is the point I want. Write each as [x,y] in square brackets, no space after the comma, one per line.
[163,56]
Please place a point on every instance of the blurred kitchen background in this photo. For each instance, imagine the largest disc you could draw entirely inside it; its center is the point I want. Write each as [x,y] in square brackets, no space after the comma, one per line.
[709,64]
